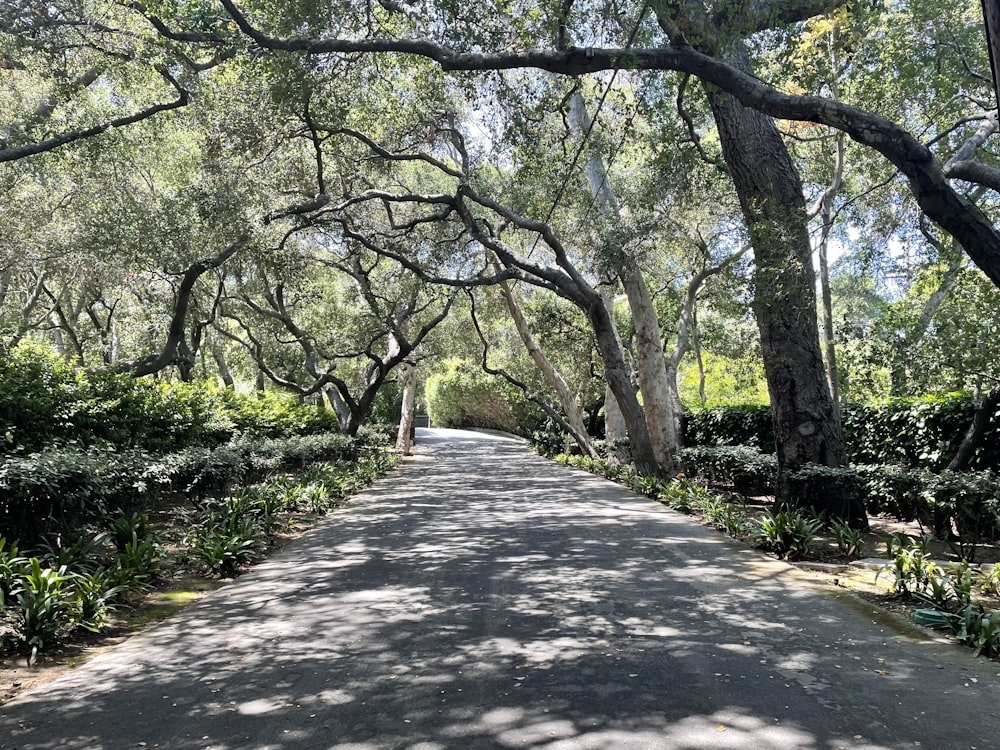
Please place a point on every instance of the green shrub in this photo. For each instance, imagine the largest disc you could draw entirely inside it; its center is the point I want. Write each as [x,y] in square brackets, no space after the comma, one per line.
[911,569]
[788,533]
[748,425]
[894,490]
[12,567]
[966,507]
[850,541]
[913,432]
[464,396]
[45,403]
[824,489]
[45,606]
[972,626]
[747,469]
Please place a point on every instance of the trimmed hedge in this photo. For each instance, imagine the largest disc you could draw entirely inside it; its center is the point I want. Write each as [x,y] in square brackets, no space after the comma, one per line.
[45,402]
[916,432]
[59,490]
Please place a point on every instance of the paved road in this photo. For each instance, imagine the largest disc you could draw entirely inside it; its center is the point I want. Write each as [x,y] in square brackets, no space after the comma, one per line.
[481,597]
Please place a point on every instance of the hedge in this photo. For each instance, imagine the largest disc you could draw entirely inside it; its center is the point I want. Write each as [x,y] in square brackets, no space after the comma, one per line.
[465,396]
[915,432]
[59,490]
[45,402]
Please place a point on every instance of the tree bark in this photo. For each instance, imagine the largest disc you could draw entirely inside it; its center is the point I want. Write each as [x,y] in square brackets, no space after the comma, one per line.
[614,421]
[567,401]
[984,409]
[652,373]
[408,377]
[805,425]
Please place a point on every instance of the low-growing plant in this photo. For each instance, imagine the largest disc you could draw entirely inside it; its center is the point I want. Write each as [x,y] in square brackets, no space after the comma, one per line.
[83,555]
[649,486]
[733,521]
[850,541]
[912,571]
[137,564]
[786,532]
[127,527]
[989,579]
[710,507]
[227,548]
[95,595]
[973,626]
[12,567]
[45,606]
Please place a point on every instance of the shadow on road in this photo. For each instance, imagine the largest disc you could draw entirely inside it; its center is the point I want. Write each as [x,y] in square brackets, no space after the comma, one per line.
[481,597]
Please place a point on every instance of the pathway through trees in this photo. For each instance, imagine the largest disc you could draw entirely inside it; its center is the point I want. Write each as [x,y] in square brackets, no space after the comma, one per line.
[482,597]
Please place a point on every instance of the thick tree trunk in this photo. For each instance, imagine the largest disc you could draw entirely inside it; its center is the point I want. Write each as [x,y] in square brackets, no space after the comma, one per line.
[652,373]
[653,381]
[805,424]
[618,380]
[408,377]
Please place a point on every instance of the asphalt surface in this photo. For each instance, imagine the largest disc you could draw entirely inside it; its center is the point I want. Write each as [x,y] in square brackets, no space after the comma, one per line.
[482,597]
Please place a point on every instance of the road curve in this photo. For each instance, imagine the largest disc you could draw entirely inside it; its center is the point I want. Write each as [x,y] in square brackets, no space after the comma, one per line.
[482,597]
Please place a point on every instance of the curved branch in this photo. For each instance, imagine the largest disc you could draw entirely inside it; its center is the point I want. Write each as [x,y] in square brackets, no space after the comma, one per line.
[935,196]
[50,144]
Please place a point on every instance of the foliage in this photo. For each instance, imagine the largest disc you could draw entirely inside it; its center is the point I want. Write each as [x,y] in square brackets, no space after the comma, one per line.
[59,490]
[966,508]
[911,569]
[745,424]
[787,532]
[824,489]
[464,396]
[747,469]
[916,432]
[850,541]
[894,490]
[971,626]
[912,432]
[44,402]
[44,606]
[12,565]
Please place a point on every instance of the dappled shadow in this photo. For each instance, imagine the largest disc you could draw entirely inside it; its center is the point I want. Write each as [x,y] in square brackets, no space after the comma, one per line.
[482,597]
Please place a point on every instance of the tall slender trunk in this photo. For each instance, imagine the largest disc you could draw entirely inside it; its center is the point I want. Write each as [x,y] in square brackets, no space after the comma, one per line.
[567,401]
[222,364]
[408,377]
[652,373]
[826,226]
[614,420]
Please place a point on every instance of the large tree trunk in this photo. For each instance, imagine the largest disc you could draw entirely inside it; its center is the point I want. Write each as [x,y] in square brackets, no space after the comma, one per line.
[984,409]
[805,425]
[614,421]
[618,380]
[653,381]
